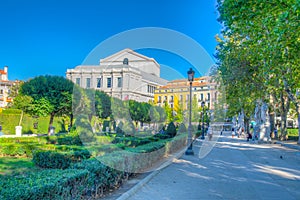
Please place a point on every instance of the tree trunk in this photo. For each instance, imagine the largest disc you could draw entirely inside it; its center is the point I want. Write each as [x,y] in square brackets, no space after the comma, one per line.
[283,129]
[51,122]
[285,106]
[246,124]
[71,120]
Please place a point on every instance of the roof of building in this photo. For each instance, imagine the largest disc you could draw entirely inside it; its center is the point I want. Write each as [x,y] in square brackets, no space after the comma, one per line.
[183,84]
[154,78]
[116,56]
[102,67]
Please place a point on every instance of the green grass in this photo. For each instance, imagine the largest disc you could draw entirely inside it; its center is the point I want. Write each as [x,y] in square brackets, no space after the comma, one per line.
[292,132]
[12,165]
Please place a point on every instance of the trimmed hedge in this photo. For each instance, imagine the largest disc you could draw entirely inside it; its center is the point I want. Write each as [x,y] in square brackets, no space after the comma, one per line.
[136,159]
[132,141]
[45,184]
[11,111]
[58,160]
[101,177]
[86,180]
[69,140]
[9,122]
[17,150]
[9,119]
[39,140]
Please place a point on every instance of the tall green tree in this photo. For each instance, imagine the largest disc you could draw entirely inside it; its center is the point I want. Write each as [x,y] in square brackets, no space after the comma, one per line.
[260,39]
[102,104]
[55,90]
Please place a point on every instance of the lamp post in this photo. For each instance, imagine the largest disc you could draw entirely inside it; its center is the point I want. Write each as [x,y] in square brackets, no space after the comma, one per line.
[202,135]
[189,150]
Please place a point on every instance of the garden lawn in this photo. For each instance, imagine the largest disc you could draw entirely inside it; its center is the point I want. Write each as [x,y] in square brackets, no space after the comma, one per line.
[11,165]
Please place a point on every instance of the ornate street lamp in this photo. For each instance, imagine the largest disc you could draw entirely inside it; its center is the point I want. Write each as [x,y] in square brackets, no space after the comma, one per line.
[202,135]
[189,150]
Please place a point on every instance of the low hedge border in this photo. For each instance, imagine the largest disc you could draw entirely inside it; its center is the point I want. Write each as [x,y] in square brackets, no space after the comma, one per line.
[142,158]
[58,160]
[89,179]
[45,184]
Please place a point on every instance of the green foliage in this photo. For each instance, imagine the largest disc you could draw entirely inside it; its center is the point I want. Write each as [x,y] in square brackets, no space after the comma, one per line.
[132,141]
[293,132]
[106,124]
[88,179]
[11,111]
[101,177]
[102,104]
[171,129]
[162,136]
[119,130]
[42,107]
[182,129]
[134,159]
[58,160]
[51,94]
[148,147]
[70,139]
[9,140]
[13,165]
[9,122]
[45,184]
[17,150]
[49,159]
[168,112]
[258,54]
[84,129]
[23,102]
[139,111]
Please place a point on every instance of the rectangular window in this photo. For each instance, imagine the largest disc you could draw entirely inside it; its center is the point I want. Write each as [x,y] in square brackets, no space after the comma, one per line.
[201,97]
[88,82]
[181,97]
[98,82]
[159,99]
[78,81]
[208,96]
[172,99]
[109,83]
[119,82]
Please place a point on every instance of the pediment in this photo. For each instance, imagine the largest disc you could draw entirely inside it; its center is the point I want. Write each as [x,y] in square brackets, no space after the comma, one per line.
[131,55]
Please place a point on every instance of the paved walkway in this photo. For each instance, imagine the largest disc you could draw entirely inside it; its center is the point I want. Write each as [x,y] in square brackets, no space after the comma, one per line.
[234,169]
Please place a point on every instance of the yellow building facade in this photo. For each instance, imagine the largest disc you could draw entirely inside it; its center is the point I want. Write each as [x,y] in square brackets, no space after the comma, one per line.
[176,93]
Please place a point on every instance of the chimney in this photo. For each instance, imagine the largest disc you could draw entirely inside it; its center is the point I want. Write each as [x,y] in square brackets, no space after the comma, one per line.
[5,69]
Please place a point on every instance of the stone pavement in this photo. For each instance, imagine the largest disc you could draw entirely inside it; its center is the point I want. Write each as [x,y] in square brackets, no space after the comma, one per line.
[234,169]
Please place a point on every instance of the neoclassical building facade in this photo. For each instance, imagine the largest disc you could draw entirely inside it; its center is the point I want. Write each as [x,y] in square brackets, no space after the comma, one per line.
[124,75]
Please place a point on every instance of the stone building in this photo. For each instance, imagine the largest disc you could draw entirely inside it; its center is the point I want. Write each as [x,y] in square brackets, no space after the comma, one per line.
[124,75]
[5,87]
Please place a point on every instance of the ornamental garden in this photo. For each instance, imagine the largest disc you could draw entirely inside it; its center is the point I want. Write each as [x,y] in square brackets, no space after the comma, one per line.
[79,143]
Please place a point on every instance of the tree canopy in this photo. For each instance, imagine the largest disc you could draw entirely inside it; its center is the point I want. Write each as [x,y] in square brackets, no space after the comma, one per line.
[51,95]
[258,52]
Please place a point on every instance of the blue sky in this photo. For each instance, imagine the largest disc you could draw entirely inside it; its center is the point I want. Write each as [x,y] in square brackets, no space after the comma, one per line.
[51,36]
